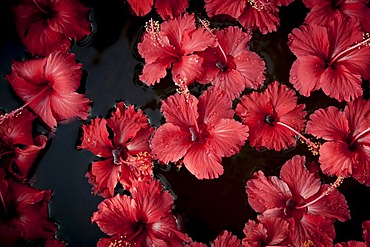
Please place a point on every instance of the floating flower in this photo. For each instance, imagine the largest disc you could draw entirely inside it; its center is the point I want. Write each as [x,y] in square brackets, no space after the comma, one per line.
[23,212]
[346,152]
[322,11]
[270,231]
[273,117]
[256,14]
[45,26]
[230,66]
[18,148]
[224,239]
[48,86]
[172,44]
[331,58]
[145,219]
[125,156]
[199,131]
[166,9]
[299,198]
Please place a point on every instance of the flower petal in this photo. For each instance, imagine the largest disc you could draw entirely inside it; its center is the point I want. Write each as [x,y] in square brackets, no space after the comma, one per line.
[228,7]
[141,7]
[336,159]
[170,9]
[187,69]
[180,111]
[106,175]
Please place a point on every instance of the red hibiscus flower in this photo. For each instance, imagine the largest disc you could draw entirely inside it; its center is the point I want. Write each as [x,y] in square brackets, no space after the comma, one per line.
[366,236]
[199,131]
[346,152]
[172,44]
[299,198]
[231,66]
[145,219]
[255,14]
[48,85]
[23,212]
[331,58]
[125,156]
[225,239]
[322,11]
[48,25]
[270,231]
[18,148]
[166,9]
[273,117]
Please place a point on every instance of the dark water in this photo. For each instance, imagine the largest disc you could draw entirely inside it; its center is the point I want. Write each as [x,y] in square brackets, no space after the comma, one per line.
[111,66]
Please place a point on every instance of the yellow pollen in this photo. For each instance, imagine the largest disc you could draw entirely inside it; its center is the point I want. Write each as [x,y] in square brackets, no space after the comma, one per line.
[257,4]
[308,243]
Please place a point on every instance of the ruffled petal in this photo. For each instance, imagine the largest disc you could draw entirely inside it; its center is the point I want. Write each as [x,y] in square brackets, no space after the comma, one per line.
[187,69]
[202,162]
[251,67]
[180,111]
[228,7]
[225,239]
[169,143]
[106,175]
[170,9]
[336,159]
[141,7]
[266,19]
[197,40]
[154,72]
[300,181]
[227,137]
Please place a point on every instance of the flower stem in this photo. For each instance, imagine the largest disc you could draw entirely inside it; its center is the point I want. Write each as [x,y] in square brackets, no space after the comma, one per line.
[365,42]
[330,189]
[313,146]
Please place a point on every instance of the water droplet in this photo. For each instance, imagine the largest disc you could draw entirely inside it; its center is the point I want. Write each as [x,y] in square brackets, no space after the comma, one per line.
[167,146]
[88,139]
[294,77]
[9,130]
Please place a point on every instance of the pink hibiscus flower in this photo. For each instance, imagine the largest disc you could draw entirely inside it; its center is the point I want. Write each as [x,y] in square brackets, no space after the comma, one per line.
[143,219]
[48,85]
[172,44]
[18,148]
[125,156]
[224,239]
[199,131]
[45,26]
[322,11]
[256,14]
[365,234]
[270,231]
[166,9]
[331,58]
[23,212]
[230,66]
[299,198]
[273,118]
[346,150]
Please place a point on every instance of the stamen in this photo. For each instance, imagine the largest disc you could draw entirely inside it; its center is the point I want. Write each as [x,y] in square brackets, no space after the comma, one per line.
[313,147]
[205,24]
[257,4]
[3,202]
[330,189]
[358,136]
[19,110]
[308,243]
[39,7]
[121,242]
[365,42]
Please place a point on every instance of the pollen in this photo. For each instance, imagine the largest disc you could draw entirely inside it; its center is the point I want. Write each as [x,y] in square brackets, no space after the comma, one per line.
[121,242]
[308,243]
[257,4]
[144,163]
[153,28]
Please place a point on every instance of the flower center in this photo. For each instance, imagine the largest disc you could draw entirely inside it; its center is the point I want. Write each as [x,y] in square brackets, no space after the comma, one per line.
[270,119]
[228,66]
[199,136]
[119,154]
[291,209]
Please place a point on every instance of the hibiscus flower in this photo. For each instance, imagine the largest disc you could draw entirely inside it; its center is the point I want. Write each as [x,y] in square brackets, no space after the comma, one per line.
[270,231]
[23,212]
[143,219]
[18,148]
[331,58]
[322,11]
[48,85]
[346,151]
[173,44]
[256,14]
[273,118]
[225,239]
[45,26]
[300,199]
[166,9]
[125,155]
[199,131]
[230,66]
